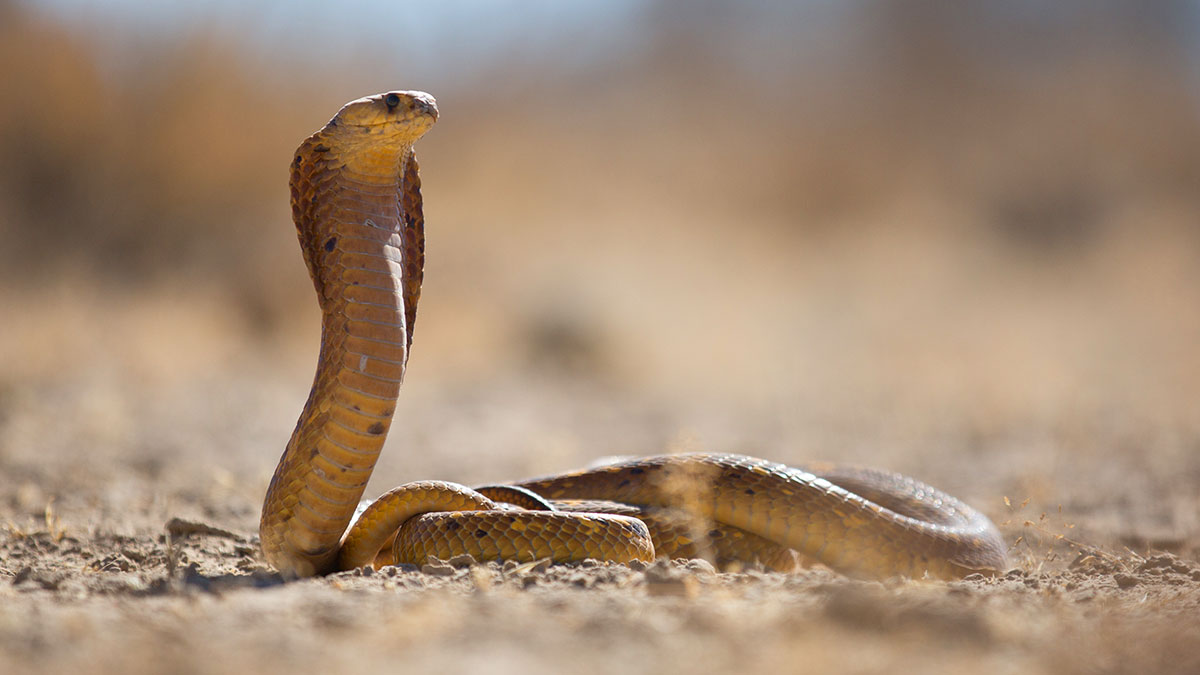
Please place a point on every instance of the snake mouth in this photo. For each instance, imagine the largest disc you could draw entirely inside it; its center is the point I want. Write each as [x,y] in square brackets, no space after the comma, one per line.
[421,103]
[390,123]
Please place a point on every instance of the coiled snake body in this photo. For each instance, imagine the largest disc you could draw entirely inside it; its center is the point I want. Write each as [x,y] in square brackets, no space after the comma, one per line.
[356,202]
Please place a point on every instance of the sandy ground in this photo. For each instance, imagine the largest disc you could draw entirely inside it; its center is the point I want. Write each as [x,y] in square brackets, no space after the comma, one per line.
[982,271]
[107,563]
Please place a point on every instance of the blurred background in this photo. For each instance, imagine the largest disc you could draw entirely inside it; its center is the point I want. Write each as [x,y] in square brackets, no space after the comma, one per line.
[955,239]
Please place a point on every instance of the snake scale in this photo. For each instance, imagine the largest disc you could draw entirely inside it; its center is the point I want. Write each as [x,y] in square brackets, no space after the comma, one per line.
[356,203]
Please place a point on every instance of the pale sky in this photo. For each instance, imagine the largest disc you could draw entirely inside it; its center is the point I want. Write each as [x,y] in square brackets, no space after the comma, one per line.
[447,33]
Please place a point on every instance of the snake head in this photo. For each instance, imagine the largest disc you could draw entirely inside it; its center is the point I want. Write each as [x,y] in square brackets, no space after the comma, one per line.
[395,118]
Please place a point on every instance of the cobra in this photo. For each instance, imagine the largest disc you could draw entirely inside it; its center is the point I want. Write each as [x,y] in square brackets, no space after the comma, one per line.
[356,202]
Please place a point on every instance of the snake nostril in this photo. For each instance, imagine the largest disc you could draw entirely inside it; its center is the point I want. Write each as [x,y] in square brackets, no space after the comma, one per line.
[391,101]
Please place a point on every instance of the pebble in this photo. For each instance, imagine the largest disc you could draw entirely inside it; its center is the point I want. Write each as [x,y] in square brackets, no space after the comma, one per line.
[438,569]
[1125,580]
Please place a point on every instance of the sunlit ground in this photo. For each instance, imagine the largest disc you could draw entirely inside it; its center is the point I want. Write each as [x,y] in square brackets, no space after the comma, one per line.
[912,247]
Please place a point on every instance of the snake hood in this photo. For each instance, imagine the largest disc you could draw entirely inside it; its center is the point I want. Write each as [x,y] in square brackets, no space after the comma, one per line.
[369,142]
[356,203]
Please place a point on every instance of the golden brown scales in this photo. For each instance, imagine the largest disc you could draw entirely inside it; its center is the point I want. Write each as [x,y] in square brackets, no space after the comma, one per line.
[356,202]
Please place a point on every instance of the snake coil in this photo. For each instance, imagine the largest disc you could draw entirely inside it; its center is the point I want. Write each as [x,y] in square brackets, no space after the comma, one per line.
[356,202]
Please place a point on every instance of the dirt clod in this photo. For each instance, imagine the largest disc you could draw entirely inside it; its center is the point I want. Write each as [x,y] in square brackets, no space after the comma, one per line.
[1125,580]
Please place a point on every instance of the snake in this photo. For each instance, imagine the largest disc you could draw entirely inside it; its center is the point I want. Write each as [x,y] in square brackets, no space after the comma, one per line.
[357,206]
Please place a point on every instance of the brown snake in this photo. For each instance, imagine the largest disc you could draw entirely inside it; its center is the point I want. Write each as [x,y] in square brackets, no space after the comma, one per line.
[356,202]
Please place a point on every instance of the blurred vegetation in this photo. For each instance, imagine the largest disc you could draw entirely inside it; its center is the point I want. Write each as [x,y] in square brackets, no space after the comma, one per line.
[777,190]
[1044,125]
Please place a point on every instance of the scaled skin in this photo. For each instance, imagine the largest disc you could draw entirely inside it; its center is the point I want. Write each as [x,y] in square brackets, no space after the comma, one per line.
[356,202]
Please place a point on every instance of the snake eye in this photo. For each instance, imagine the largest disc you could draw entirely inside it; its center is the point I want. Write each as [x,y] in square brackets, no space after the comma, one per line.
[391,100]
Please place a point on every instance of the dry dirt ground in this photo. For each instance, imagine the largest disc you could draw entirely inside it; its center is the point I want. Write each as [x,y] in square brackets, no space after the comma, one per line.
[128,545]
[982,271]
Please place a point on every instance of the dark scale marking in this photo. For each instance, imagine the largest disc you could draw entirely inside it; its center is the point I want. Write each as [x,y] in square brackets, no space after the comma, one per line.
[329,245]
[623,483]
[312,453]
[637,471]
[714,534]
[376,428]
[480,534]
[321,148]
[453,525]
[749,491]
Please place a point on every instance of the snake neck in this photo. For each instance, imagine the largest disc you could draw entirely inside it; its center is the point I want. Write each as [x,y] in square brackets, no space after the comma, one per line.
[364,251]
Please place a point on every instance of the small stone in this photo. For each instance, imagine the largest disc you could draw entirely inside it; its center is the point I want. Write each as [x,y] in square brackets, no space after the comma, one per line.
[1125,580]
[396,570]
[660,573]
[22,575]
[531,567]
[700,566]
[438,570]
[133,554]
[1157,562]
[461,560]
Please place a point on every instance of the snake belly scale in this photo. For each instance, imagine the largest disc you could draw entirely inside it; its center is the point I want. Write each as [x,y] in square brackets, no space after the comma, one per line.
[356,202]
